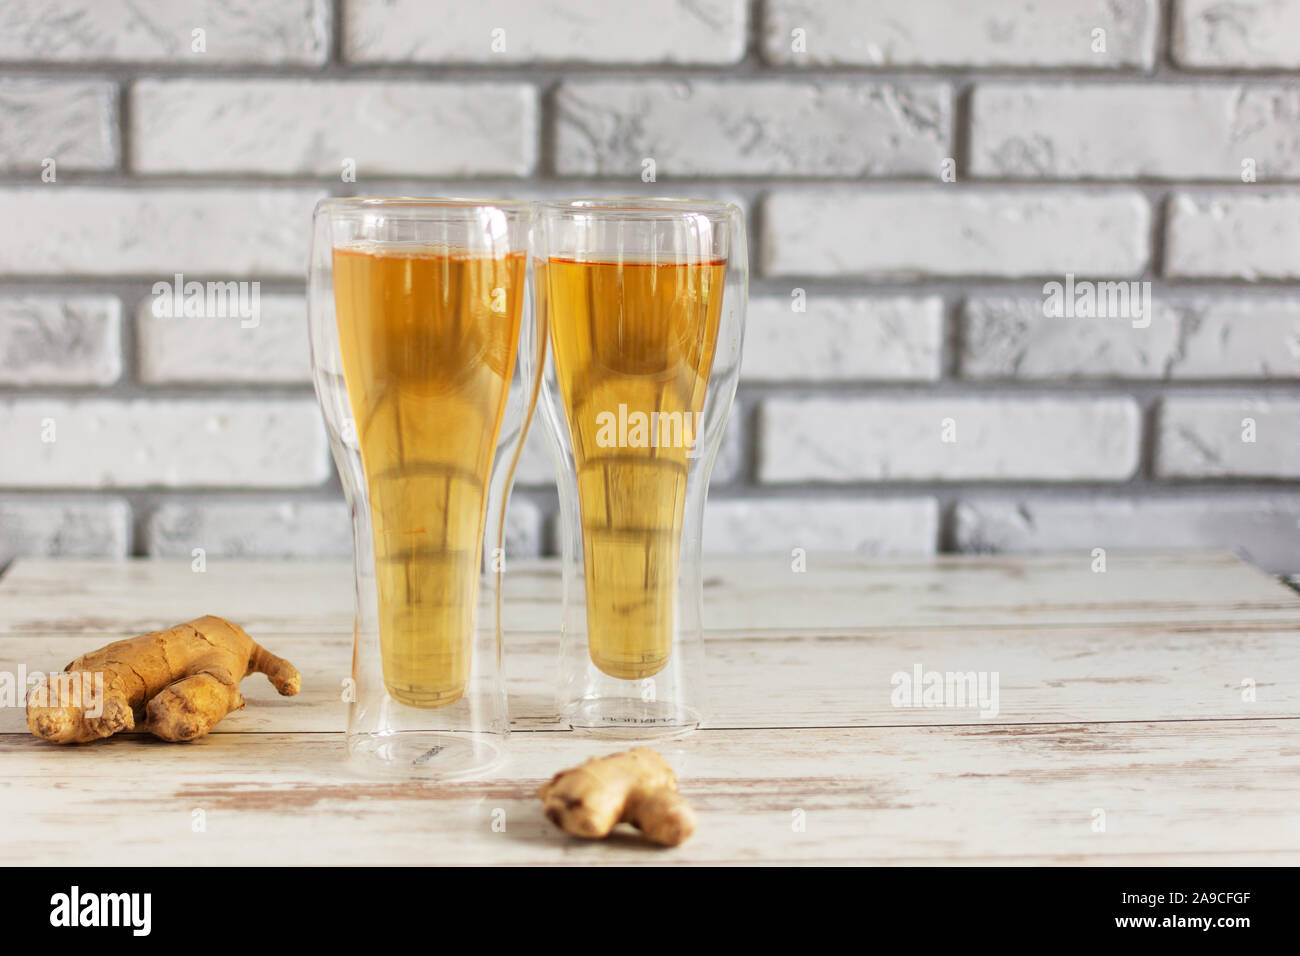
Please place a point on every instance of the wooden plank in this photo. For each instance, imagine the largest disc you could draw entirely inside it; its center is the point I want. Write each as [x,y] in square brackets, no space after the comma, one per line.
[1167,672]
[750,595]
[1189,792]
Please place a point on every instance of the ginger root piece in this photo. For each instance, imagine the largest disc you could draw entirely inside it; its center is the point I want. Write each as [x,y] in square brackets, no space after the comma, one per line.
[181,681]
[636,787]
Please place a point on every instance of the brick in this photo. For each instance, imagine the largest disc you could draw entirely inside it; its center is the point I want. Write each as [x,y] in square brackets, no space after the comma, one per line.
[1234,236]
[69,230]
[60,340]
[523,529]
[292,529]
[42,527]
[235,31]
[250,529]
[953,231]
[937,33]
[730,463]
[1241,35]
[289,529]
[1032,131]
[73,123]
[285,127]
[1263,529]
[221,350]
[778,525]
[1206,437]
[535,466]
[707,128]
[843,339]
[411,31]
[1198,337]
[100,443]
[1031,439]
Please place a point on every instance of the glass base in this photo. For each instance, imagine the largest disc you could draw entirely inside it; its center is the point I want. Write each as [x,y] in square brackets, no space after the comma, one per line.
[630,718]
[425,755]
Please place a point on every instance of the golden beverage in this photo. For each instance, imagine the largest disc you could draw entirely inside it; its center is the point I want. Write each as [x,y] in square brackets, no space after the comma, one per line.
[634,346]
[428,341]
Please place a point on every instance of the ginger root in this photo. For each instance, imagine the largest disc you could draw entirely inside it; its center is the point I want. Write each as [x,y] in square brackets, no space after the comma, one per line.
[636,787]
[180,681]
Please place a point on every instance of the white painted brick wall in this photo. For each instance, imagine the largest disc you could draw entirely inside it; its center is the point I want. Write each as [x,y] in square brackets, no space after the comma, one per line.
[946,231]
[843,339]
[916,168]
[69,529]
[226,350]
[288,529]
[578,31]
[1189,337]
[1029,439]
[1241,35]
[73,123]
[58,230]
[176,443]
[1068,131]
[1234,236]
[1264,529]
[263,529]
[1209,437]
[235,31]
[751,129]
[779,525]
[382,128]
[939,33]
[60,340]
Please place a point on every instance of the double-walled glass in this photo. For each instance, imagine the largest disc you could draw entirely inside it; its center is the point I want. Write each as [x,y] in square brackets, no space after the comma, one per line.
[420,317]
[643,303]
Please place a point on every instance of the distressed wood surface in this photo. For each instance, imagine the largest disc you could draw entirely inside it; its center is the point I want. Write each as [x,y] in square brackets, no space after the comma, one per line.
[753,596]
[839,679]
[1119,692]
[936,794]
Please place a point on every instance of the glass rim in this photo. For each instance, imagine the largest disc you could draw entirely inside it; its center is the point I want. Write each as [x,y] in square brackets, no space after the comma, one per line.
[357,204]
[639,207]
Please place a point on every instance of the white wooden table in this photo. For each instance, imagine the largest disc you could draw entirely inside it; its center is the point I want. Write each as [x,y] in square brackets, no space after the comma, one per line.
[1120,693]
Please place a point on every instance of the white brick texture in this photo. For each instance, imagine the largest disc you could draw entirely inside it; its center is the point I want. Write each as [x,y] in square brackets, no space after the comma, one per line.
[779,525]
[1209,437]
[255,529]
[98,443]
[870,440]
[234,31]
[843,339]
[58,230]
[525,31]
[1189,337]
[1212,132]
[1234,236]
[913,172]
[703,128]
[70,529]
[1241,35]
[282,127]
[72,123]
[938,33]
[288,529]
[60,340]
[945,231]
[226,350]
[1263,529]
